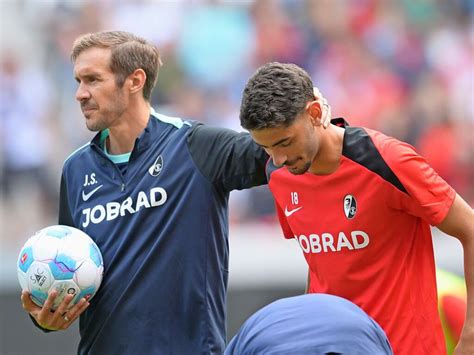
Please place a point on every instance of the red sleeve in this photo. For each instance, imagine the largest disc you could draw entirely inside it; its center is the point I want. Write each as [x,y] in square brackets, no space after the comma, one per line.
[287,233]
[427,195]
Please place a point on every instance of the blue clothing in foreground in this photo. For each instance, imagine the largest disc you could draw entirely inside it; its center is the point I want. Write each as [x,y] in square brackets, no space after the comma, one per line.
[310,324]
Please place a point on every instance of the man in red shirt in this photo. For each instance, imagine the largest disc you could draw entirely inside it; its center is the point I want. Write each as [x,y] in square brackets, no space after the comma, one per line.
[360,204]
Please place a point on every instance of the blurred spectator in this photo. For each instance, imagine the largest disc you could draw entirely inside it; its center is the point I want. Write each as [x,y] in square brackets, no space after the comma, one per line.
[215,44]
[403,67]
[277,37]
[25,140]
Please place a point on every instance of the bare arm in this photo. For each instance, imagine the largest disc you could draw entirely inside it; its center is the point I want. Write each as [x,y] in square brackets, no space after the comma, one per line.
[459,223]
[307,283]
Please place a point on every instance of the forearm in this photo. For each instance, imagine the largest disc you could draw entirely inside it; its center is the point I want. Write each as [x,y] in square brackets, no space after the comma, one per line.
[307,283]
[459,224]
[468,329]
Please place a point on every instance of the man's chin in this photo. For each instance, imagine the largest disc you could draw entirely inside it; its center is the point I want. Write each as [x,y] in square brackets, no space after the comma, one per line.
[296,171]
[299,171]
[93,127]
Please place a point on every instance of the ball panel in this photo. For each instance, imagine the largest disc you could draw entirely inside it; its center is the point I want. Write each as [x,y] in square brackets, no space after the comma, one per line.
[100,274]
[86,274]
[39,277]
[39,297]
[25,259]
[57,231]
[46,247]
[76,246]
[64,288]
[62,267]
[32,239]
[23,280]
[95,255]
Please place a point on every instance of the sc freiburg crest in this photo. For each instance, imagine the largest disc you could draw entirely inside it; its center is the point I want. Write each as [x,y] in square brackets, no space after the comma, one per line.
[350,206]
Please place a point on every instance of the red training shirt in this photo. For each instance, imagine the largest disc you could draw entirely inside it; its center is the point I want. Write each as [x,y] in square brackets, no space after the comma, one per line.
[365,233]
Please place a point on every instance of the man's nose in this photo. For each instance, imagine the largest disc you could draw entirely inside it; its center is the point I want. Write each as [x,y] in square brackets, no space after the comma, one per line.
[82,93]
[279,159]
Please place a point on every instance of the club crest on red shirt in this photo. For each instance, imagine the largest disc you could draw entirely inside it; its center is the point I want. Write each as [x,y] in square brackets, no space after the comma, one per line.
[350,206]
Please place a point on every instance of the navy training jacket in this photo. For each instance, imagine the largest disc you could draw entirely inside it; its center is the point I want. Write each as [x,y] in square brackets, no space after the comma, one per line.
[162,228]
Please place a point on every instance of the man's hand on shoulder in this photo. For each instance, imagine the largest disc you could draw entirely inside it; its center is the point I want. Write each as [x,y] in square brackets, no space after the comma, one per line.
[325,108]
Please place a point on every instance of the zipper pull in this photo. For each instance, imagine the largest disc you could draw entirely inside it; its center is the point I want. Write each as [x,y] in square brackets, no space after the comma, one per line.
[122,188]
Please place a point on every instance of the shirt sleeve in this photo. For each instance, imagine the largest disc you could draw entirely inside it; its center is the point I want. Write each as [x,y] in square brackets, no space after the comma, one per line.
[427,196]
[287,232]
[230,160]
[64,217]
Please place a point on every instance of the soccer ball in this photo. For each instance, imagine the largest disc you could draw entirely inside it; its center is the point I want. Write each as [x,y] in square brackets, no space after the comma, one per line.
[61,258]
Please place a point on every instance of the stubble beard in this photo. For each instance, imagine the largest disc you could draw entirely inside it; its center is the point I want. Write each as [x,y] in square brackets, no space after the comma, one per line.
[301,171]
[105,118]
[95,125]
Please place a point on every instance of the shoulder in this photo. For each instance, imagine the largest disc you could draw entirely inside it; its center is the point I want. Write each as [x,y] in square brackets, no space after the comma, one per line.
[200,132]
[376,152]
[389,147]
[401,157]
[77,154]
[217,140]
[171,120]
[359,141]
[225,157]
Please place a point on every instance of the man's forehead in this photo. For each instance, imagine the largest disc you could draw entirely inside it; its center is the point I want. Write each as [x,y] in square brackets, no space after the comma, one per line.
[269,137]
[92,60]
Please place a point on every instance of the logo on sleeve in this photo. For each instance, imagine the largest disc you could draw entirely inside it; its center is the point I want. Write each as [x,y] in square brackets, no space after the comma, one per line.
[350,206]
[157,166]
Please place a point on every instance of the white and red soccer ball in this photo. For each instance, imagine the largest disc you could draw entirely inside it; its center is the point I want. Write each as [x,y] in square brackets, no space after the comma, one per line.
[61,258]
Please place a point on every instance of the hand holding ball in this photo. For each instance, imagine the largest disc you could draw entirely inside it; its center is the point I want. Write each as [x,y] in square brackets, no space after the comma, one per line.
[62,258]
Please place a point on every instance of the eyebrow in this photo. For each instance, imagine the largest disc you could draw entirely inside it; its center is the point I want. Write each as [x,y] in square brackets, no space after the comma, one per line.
[276,143]
[88,76]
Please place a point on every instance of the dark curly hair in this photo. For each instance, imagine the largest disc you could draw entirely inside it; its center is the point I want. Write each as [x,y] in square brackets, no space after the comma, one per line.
[274,96]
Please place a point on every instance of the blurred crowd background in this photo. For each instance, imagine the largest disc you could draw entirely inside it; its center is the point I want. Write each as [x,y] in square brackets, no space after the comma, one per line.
[403,67]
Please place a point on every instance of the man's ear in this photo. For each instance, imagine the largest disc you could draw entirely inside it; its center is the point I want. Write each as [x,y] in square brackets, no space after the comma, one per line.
[314,110]
[137,80]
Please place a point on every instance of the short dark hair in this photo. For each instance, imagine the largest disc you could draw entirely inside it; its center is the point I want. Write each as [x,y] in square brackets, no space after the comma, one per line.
[274,96]
[129,52]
